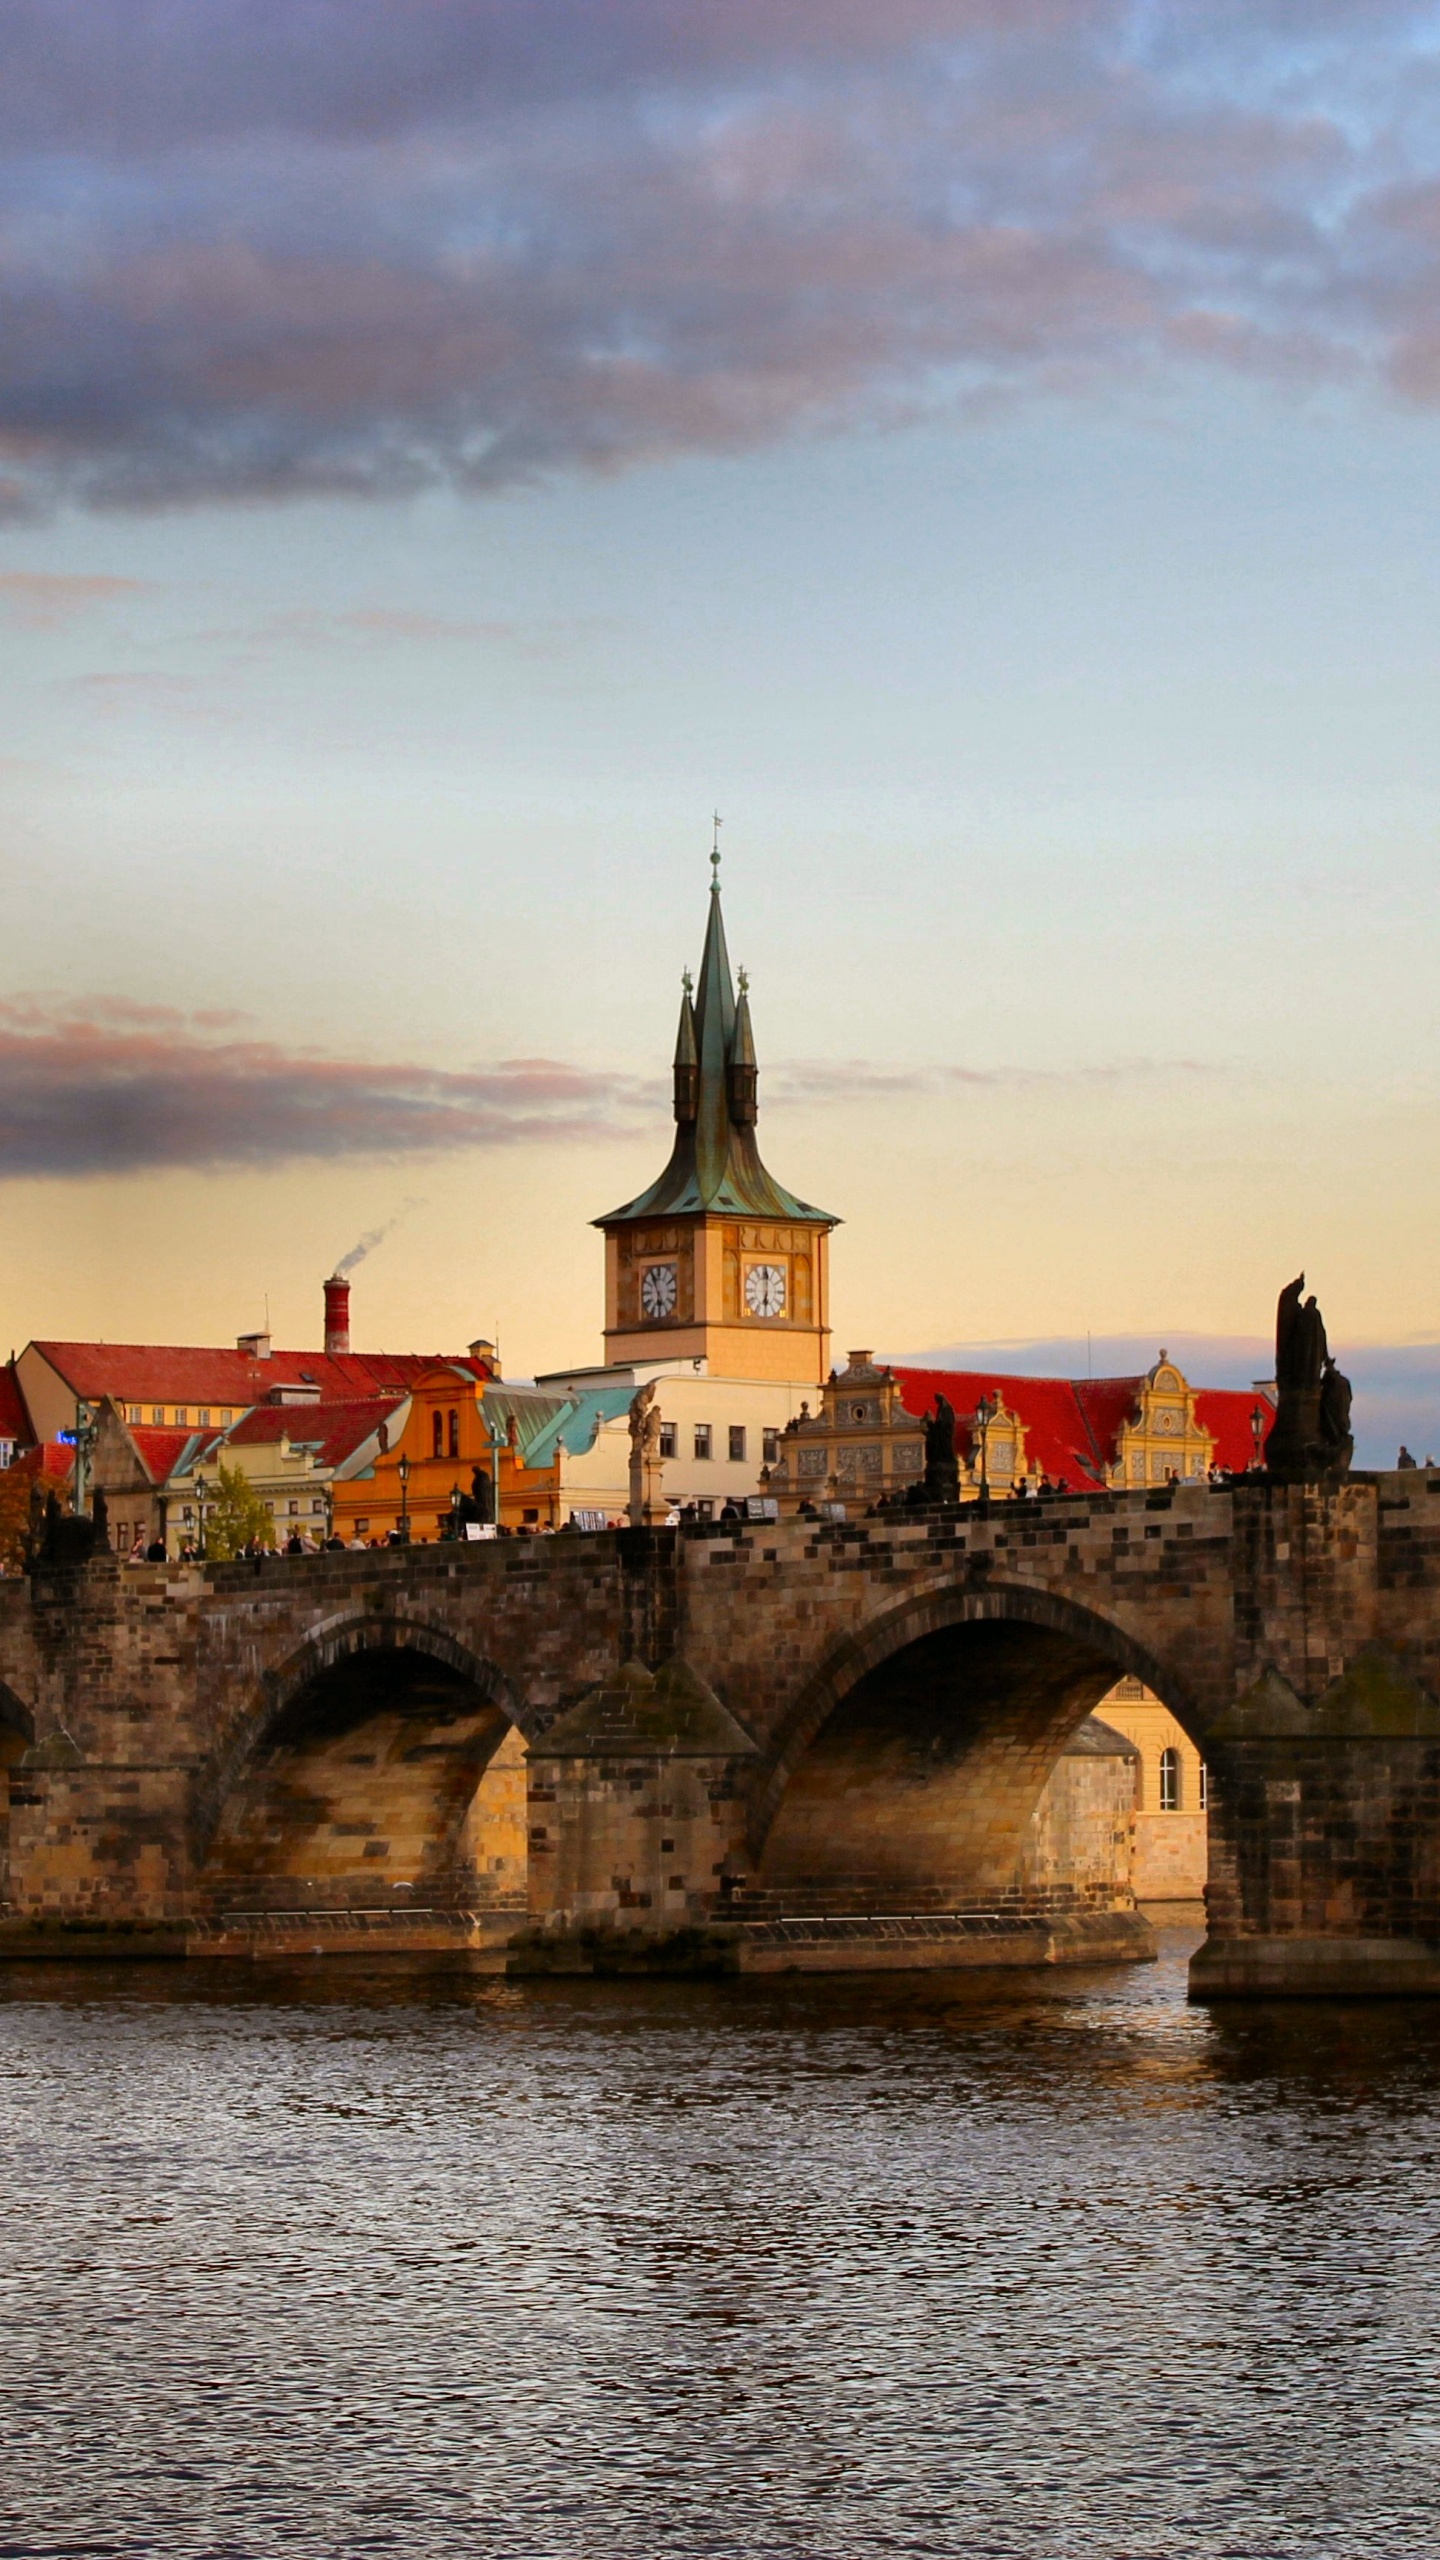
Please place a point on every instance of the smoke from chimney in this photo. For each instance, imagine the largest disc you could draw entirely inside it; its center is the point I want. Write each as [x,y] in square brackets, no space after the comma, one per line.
[337,1317]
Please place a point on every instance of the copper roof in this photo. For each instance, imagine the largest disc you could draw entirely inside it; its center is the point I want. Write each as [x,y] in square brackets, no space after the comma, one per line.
[715,1162]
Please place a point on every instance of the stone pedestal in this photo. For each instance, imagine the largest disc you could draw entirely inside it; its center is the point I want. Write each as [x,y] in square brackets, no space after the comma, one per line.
[648,1506]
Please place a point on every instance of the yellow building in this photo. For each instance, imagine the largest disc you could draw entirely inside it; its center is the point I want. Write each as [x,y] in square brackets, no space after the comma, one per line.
[716,1262]
[1170,1826]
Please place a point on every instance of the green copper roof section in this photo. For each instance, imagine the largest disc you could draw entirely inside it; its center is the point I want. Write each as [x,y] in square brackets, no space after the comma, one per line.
[715,1163]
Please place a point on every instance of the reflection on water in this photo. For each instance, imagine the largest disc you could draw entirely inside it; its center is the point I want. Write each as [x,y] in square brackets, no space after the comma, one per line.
[1043,2266]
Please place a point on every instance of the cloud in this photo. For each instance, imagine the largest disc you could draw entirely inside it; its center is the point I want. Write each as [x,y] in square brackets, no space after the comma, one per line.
[109,1088]
[105,1085]
[822,1081]
[43,601]
[251,248]
[366,625]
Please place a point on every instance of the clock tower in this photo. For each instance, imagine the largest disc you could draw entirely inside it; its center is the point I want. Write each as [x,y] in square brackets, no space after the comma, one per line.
[716,1261]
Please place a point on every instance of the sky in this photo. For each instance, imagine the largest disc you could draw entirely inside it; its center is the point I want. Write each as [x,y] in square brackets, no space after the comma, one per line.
[450,447]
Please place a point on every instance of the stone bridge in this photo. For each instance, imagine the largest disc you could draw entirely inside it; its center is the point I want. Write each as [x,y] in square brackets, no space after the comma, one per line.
[774,1744]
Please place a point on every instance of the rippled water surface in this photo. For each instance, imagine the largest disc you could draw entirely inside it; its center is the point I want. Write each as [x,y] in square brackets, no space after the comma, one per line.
[1030,2265]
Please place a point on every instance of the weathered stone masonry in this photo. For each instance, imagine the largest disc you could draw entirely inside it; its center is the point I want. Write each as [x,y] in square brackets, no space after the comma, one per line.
[845,1719]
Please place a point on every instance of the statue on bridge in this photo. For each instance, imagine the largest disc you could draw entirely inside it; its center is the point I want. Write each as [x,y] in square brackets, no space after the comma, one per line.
[647,1500]
[941,1482]
[1310,1440]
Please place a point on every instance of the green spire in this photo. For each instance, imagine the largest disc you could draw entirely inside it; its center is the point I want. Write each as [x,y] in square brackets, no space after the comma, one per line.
[715,1163]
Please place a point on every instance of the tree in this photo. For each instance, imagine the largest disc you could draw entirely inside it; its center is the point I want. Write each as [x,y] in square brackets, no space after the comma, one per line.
[235,1516]
[15,1488]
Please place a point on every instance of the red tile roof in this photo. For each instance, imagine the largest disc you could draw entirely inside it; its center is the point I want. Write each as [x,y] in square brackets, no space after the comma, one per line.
[49,1458]
[176,1373]
[1073,1425]
[1226,1415]
[15,1423]
[333,1431]
[161,1451]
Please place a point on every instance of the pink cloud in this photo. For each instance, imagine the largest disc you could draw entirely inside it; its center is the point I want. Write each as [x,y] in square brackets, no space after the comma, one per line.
[43,601]
[105,1087]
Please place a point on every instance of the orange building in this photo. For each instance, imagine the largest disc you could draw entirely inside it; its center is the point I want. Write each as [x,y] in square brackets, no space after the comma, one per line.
[445,1445]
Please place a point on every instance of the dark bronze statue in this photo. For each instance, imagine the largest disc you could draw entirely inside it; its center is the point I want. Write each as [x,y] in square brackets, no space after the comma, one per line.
[942,1467]
[1310,1439]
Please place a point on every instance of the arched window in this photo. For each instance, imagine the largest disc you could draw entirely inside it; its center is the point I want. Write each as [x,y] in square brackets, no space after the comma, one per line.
[454,1435]
[1170,1779]
[437,1421]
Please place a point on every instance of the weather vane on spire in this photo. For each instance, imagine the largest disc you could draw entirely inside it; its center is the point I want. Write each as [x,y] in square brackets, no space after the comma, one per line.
[715,852]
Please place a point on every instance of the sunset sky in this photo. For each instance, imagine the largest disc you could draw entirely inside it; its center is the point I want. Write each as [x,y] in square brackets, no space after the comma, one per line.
[990,450]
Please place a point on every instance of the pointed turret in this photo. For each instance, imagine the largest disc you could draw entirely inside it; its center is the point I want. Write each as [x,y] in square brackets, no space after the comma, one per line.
[687,1060]
[742,1078]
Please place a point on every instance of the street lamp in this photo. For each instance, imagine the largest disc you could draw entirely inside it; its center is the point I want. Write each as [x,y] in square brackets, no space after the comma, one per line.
[985,1412]
[1257,1432]
[201,1490]
[403,1471]
[456,1499]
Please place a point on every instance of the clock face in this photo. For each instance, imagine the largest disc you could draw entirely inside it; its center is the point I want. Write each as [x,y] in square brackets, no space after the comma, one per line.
[765,1289]
[659,1288]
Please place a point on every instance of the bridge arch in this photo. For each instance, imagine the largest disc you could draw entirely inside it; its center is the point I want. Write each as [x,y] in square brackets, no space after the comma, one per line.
[382,1757]
[914,1758]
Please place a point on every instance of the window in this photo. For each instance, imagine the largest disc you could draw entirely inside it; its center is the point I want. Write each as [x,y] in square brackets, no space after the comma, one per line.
[318,1502]
[702,1439]
[135,1413]
[362,1528]
[704,1510]
[770,1448]
[180,1413]
[667,1439]
[454,1435]
[227,1416]
[1170,1779]
[737,1443]
[203,1417]
[293,1507]
[437,1432]
[1204,1787]
[157,1413]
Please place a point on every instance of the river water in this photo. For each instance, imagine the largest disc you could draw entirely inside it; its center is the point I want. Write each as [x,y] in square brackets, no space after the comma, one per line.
[1031,2265]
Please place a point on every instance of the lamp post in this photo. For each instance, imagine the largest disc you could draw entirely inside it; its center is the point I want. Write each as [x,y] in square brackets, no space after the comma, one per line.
[403,1472]
[498,1439]
[1257,1433]
[456,1499]
[984,1415]
[201,1490]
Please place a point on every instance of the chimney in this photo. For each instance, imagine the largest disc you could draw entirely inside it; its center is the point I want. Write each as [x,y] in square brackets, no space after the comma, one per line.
[256,1346]
[337,1318]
